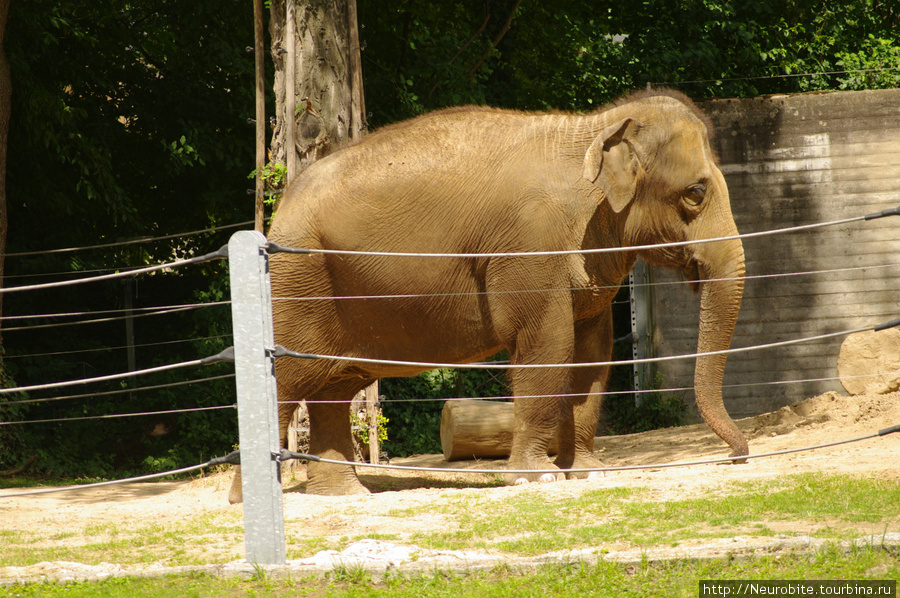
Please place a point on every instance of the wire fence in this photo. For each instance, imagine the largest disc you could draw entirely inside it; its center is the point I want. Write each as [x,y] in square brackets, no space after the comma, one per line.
[279,351]
[140,241]
[286,455]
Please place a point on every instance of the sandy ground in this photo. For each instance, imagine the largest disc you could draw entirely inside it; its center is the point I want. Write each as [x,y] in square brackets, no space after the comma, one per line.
[823,419]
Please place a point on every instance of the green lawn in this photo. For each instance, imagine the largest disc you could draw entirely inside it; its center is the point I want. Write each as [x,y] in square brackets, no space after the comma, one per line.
[831,507]
[669,580]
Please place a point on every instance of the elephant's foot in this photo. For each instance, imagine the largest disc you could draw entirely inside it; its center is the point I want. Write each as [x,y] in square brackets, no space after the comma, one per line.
[517,479]
[543,479]
[738,454]
[333,480]
[582,461]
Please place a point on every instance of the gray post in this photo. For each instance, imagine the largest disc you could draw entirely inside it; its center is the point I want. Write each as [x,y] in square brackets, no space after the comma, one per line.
[639,289]
[251,310]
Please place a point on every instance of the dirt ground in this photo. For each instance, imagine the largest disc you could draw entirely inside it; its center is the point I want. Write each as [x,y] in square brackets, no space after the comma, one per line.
[824,419]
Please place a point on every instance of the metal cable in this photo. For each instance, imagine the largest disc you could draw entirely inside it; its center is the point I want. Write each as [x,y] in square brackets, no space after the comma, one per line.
[116,392]
[281,351]
[131,242]
[117,415]
[119,348]
[273,247]
[122,376]
[169,309]
[158,312]
[287,455]
[220,254]
[136,310]
[752,277]
[143,478]
[605,393]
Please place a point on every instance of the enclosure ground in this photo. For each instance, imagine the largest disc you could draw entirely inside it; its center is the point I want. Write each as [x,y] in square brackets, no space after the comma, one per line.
[163,527]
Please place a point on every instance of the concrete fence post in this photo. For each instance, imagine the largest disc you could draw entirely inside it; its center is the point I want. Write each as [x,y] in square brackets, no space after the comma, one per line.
[251,309]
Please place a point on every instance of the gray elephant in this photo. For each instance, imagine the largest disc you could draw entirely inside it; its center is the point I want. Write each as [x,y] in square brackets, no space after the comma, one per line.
[479,180]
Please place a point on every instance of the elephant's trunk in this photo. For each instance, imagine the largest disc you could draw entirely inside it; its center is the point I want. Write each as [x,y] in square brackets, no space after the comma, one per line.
[720,302]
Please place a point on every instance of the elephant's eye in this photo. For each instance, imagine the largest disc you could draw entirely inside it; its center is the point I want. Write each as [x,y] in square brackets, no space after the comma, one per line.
[695,194]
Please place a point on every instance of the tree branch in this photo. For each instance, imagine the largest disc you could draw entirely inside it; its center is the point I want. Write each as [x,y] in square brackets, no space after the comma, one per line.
[509,20]
[476,35]
[17,470]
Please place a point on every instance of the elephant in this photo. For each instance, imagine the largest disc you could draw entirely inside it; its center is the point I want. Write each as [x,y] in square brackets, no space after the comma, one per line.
[478,180]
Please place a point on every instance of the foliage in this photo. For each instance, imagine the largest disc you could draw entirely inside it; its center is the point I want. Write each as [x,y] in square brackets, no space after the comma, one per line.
[413,408]
[129,120]
[274,176]
[628,413]
[362,425]
[414,405]
[12,441]
[567,54]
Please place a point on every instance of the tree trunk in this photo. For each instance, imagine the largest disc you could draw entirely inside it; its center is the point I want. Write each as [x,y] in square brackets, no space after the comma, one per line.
[473,429]
[318,73]
[259,208]
[319,100]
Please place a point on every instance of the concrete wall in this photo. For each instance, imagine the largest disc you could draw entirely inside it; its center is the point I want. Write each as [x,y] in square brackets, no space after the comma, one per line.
[794,160]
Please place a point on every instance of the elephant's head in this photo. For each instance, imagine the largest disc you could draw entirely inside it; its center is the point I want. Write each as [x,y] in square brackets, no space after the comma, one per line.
[655,167]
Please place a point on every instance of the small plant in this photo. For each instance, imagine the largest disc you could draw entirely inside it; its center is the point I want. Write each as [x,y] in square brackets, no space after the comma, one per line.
[274,176]
[360,423]
[259,572]
[160,464]
[354,574]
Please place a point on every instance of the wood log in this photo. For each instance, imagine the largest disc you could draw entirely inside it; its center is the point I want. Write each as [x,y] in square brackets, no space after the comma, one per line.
[21,468]
[473,429]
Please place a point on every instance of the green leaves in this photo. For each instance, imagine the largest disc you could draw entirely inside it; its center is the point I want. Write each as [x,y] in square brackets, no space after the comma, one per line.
[182,155]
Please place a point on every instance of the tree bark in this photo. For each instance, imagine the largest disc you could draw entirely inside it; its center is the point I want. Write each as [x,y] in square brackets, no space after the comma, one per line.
[319,73]
[319,100]
[259,67]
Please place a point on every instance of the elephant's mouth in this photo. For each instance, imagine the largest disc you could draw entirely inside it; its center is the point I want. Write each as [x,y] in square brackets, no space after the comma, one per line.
[691,273]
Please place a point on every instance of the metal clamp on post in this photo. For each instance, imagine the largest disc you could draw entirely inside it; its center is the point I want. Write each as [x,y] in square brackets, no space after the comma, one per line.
[232,458]
[883,213]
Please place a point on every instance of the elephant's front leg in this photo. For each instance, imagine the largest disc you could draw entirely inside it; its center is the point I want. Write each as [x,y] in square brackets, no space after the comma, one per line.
[536,417]
[581,413]
[539,392]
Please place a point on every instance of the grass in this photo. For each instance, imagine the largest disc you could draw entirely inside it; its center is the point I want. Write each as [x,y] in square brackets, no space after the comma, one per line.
[679,579]
[833,507]
[195,541]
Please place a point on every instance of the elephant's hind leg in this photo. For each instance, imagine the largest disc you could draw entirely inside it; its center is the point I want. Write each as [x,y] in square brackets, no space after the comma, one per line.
[578,428]
[578,422]
[330,437]
[285,413]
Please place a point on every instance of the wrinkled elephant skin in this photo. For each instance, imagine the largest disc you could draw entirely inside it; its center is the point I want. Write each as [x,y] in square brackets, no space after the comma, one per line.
[478,180]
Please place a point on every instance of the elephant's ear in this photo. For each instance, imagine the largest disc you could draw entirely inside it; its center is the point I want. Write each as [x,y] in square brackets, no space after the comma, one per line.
[612,164]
